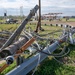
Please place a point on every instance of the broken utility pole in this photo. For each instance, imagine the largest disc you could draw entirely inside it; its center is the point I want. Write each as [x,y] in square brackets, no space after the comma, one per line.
[39,19]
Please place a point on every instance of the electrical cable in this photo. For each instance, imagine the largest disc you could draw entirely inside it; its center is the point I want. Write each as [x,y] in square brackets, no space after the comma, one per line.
[36,65]
[64,54]
[37,36]
[56,55]
[40,50]
[50,33]
[55,58]
[60,54]
[58,60]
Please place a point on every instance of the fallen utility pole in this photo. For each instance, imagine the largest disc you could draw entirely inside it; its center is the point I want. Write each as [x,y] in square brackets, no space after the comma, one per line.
[21,27]
[31,63]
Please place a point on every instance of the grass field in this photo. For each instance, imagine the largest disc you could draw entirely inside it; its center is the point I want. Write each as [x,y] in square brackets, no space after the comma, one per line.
[49,66]
[71,19]
[8,27]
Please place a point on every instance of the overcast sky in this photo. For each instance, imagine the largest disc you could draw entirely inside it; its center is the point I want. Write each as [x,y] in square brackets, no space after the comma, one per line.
[67,7]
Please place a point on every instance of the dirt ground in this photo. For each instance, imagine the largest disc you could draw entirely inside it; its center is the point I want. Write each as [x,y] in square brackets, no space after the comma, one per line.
[2,61]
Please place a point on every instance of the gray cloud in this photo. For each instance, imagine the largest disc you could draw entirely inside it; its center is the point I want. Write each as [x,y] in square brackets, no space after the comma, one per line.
[13,6]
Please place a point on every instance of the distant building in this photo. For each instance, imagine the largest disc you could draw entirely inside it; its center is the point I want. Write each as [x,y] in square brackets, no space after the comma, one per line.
[51,16]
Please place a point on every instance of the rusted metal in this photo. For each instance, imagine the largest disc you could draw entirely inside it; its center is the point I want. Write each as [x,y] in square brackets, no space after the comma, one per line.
[26,45]
[3,67]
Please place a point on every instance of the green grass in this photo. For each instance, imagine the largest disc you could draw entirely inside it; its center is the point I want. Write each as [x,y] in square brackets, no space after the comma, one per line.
[51,67]
[2,20]
[72,53]
[8,68]
[8,27]
[71,19]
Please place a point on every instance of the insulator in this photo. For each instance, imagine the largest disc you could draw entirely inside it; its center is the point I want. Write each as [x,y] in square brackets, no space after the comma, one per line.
[9,60]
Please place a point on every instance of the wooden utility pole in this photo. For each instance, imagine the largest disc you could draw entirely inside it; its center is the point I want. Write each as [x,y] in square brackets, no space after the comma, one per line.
[40,14]
[39,19]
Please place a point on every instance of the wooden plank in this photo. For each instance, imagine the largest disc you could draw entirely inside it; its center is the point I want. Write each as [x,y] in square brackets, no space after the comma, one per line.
[3,67]
[26,45]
